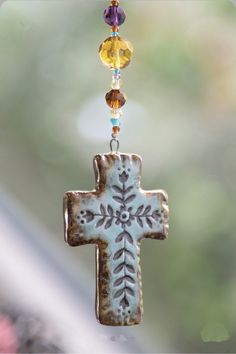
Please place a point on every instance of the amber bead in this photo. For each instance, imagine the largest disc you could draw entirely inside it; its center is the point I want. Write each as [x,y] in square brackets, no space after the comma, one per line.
[115,52]
[115,131]
[115,99]
[114,29]
[115,2]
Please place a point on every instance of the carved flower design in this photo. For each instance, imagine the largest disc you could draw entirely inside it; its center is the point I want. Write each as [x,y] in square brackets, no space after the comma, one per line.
[160,216]
[123,177]
[124,216]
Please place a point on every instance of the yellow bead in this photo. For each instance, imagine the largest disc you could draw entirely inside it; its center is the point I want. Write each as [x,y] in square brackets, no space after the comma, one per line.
[116,52]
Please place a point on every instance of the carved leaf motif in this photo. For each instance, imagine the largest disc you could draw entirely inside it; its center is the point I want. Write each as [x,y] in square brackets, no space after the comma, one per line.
[117,189]
[129,237]
[126,278]
[118,199]
[124,302]
[120,237]
[129,279]
[118,293]
[102,209]
[139,210]
[108,223]
[156,215]
[130,198]
[129,253]
[147,209]
[148,220]
[118,253]
[140,221]
[101,222]
[123,235]
[110,210]
[119,268]
[129,291]
[118,281]
[130,268]
[127,190]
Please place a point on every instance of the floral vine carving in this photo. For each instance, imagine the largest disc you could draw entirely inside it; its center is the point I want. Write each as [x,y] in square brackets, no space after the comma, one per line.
[122,213]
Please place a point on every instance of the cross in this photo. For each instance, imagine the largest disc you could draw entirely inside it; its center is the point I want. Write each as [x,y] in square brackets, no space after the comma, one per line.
[116,216]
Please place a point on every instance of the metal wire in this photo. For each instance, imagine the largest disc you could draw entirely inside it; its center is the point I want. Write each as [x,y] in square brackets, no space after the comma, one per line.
[114,141]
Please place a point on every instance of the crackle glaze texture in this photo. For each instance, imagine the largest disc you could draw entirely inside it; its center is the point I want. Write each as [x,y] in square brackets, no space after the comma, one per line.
[115,217]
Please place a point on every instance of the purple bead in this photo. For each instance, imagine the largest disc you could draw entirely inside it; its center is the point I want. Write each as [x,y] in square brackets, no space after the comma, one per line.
[114,16]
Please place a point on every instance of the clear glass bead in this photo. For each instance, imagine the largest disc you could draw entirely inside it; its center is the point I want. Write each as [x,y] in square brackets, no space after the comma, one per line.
[116,83]
[116,113]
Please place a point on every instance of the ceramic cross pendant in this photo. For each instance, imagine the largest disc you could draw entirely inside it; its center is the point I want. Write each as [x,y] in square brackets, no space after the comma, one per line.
[115,217]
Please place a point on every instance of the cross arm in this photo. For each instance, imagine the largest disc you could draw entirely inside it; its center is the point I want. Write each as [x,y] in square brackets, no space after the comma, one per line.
[155,217]
[76,216]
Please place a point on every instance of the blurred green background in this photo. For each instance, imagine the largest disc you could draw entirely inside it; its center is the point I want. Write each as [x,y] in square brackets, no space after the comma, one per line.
[180,116]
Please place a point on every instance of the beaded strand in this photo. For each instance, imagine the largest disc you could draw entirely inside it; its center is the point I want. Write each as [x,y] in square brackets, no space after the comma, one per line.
[115,52]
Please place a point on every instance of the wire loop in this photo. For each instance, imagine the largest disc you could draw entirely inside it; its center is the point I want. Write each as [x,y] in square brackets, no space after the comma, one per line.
[112,142]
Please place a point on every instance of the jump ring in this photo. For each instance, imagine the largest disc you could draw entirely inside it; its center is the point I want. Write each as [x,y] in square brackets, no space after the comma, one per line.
[114,140]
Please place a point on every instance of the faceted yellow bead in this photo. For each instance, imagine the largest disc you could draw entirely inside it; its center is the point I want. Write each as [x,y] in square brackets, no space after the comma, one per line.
[116,52]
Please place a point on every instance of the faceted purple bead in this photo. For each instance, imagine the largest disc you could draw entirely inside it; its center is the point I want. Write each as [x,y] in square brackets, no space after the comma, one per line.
[114,16]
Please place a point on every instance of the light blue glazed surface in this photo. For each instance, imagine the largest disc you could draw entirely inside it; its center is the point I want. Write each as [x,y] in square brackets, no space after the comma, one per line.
[116,216]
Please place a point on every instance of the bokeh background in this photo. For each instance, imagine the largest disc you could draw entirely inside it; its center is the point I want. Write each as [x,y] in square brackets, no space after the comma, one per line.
[180,116]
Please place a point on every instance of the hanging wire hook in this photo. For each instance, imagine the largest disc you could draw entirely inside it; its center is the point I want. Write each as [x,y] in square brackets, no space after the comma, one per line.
[114,141]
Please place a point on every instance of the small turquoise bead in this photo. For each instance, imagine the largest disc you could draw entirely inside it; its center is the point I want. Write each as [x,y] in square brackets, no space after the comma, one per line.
[116,71]
[114,34]
[115,122]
